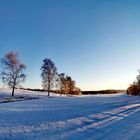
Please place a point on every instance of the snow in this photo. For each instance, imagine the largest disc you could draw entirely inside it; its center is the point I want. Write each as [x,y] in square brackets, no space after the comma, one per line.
[97,117]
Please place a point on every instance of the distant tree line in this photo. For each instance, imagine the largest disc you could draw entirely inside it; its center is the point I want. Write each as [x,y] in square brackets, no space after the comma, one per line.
[134,88]
[13,76]
[109,91]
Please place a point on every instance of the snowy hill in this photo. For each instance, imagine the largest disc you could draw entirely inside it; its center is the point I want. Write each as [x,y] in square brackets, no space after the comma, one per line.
[97,117]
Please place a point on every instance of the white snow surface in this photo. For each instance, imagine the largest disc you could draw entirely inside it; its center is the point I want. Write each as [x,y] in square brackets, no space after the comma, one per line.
[97,117]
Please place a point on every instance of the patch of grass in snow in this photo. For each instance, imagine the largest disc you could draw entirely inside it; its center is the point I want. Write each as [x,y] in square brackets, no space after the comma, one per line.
[17,98]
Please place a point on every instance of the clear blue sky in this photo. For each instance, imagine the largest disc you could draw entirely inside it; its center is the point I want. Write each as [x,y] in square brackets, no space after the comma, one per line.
[97,42]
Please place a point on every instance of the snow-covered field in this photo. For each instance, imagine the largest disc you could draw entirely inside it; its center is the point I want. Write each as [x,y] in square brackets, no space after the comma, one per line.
[98,117]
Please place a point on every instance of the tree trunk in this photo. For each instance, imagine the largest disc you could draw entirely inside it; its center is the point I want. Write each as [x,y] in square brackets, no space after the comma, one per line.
[13,90]
[49,89]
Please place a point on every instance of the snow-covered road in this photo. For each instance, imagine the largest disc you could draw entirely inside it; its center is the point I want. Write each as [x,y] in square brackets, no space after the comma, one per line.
[72,118]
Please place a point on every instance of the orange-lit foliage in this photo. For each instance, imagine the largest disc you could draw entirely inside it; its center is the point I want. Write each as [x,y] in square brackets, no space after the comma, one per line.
[133,89]
[67,85]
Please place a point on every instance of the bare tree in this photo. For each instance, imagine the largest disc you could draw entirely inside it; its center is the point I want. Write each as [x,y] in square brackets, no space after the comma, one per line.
[62,83]
[49,73]
[138,79]
[13,71]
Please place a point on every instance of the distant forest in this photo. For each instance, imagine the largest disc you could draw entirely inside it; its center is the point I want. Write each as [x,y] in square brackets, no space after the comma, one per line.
[103,92]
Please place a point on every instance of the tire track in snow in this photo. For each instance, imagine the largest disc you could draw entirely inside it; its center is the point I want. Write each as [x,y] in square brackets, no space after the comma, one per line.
[103,119]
